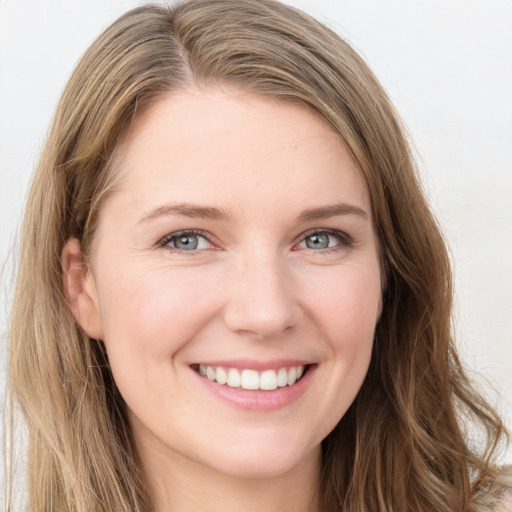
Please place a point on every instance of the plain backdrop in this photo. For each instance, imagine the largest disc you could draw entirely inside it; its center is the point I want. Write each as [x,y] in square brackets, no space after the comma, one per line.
[447,65]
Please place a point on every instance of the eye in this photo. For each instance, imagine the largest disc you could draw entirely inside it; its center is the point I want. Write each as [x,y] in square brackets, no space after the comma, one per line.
[318,241]
[186,241]
[324,239]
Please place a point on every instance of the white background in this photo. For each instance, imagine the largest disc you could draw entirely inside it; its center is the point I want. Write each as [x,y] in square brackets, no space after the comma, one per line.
[447,65]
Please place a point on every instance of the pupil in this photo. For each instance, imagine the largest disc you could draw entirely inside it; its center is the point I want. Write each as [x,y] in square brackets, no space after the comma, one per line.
[317,242]
[186,242]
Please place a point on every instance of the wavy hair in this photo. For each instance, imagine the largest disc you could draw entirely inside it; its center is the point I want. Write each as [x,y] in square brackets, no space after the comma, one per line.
[404,443]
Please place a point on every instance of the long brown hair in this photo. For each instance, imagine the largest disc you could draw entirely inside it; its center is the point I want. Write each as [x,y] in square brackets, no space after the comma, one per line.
[402,446]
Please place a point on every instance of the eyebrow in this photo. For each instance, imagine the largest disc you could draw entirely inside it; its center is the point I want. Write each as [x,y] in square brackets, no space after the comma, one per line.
[325,212]
[186,210]
[213,213]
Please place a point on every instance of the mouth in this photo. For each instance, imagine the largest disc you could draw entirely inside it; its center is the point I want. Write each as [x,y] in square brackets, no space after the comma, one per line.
[250,379]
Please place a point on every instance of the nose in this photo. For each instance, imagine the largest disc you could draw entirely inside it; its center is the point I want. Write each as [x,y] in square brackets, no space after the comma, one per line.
[261,298]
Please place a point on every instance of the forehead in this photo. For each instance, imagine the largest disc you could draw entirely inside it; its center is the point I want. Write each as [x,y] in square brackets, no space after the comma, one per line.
[230,145]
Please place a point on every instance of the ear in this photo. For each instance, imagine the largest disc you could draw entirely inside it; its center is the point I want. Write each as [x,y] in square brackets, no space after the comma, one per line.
[80,290]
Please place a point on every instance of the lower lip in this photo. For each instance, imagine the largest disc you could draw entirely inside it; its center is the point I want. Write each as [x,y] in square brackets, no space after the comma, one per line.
[260,400]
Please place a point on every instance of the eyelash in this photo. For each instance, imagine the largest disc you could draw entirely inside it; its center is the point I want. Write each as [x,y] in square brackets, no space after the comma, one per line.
[188,232]
[345,240]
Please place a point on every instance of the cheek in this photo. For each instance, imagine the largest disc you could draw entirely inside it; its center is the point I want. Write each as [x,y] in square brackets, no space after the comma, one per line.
[347,304]
[347,312]
[150,315]
[148,312]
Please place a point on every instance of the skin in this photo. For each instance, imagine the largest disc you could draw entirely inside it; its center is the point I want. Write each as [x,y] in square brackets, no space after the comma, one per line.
[253,289]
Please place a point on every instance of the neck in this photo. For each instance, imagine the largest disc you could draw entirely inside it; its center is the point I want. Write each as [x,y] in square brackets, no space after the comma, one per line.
[179,484]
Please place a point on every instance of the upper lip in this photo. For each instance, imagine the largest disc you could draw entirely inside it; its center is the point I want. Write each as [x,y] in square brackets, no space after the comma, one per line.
[252,364]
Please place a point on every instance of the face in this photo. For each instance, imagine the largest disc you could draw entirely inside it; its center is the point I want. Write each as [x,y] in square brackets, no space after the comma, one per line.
[235,281]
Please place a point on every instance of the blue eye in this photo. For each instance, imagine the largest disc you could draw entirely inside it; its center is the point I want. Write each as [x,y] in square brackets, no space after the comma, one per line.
[318,241]
[186,241]
[322,240]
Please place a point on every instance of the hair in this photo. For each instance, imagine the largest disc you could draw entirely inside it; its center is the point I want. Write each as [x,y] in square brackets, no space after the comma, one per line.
[405,443]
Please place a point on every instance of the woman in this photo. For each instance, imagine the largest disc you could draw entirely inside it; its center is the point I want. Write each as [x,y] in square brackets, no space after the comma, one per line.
[232,293]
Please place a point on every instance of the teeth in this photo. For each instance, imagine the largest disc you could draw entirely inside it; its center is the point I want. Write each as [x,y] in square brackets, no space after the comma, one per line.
[282,378]
[267,380]
[233,378]
[250,379]
[221,376]
[292,375]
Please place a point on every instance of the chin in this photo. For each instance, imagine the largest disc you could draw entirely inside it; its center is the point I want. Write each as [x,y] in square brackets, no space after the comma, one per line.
[264,460]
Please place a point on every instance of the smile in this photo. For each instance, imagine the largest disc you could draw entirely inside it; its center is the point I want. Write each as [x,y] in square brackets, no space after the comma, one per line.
[256,386]
[250,379]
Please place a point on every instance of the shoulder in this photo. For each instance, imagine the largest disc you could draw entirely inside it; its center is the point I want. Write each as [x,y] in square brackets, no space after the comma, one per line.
[506,496]
[506,503]
[494,492]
